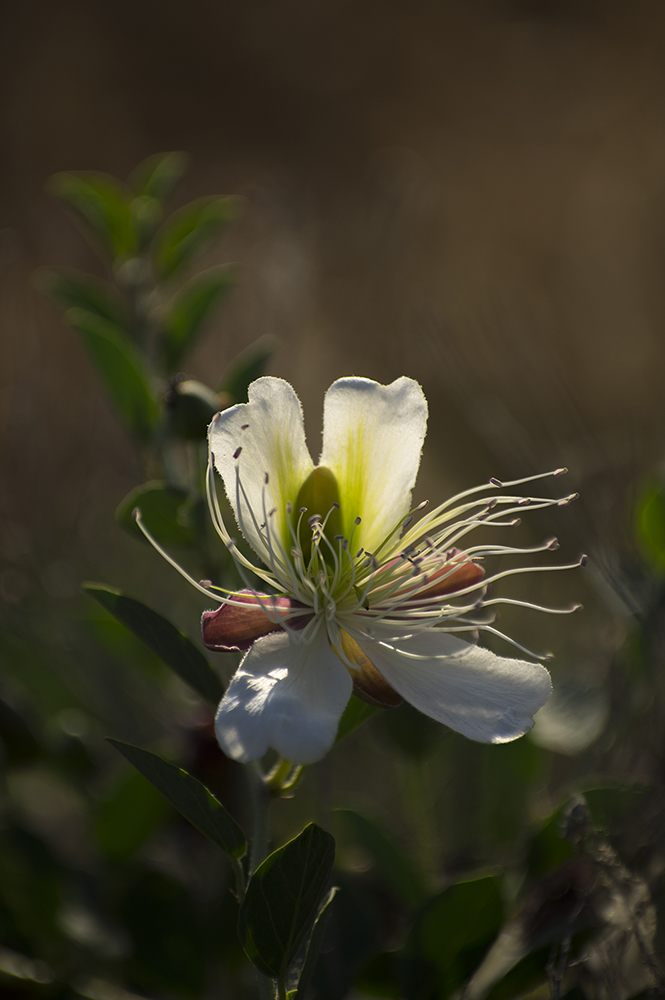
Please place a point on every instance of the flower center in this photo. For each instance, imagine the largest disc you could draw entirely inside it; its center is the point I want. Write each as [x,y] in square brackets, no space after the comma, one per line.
[317,510]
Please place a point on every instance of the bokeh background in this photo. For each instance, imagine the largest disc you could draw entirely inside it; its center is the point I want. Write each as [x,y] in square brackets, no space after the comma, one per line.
[469,193]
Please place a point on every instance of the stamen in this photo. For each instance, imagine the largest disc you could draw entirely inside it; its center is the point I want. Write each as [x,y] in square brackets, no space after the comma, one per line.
[236,453]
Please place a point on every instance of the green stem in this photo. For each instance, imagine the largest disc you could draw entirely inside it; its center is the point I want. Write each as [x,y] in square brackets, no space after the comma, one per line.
[260,817]
[281,989]
[417,792]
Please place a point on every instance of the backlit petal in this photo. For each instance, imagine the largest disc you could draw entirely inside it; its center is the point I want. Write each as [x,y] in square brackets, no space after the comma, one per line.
[286,696]
[372,439]
[486,697]
[268,438]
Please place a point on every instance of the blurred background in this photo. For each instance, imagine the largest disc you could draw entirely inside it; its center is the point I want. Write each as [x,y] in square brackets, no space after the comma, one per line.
[469,193]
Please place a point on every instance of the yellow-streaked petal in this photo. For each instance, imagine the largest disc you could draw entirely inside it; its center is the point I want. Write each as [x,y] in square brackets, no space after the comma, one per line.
[372,439]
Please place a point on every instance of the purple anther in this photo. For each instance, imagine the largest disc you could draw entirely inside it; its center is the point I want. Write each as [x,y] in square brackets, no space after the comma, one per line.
[236,453]
[243,427]
[338,538]
[358,520]
[206,583]
[407,521]
[302,510]
[335,506]
[560,472]
[271,512]
[496,482]
[515,522]
[266,478]
[584,560]
[359,553]
[421,506]
[553,544]
[136,513]
[288,507]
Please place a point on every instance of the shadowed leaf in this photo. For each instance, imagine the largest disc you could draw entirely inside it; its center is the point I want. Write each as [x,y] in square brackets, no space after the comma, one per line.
[191,309]
[101,204]
[170,645]
[247,366]
[189,796]
[189,230]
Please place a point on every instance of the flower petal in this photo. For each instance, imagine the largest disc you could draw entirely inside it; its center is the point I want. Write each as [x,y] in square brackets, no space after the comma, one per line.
[286,696]
[372,439]
[245,618]
[486,697]
[251,441]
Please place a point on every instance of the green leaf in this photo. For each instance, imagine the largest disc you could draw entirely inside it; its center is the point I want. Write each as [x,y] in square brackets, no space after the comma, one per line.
[121,369]
[650,523]
[170,645]
[101,204]
[450,937]
[247,366]
[391,862]
[188,231]
[191,309]
[355,713]
[126,819]
[69,288]
[189,796]
[283,900]
[304,974]
[157,176]
[164,510]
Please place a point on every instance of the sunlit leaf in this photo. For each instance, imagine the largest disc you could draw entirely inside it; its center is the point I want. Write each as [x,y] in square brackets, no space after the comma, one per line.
[101,205]
[247,366]
[189,796]
[284,897]
[189,230]
[172,647]
[157,176]
[121,368]
[74,289]
[164,511]
[191,309]
[390,860]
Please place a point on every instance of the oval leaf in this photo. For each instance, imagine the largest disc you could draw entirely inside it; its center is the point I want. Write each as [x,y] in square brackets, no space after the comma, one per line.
[390,860]
[101,204]
[191,309]
[163,638]
[283,900]
[121,369]
[189,230]
[189,796]
[651,523]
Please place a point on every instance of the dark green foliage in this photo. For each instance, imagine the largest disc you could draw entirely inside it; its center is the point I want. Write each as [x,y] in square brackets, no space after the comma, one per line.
[188,312]
[122,370]
[164,511]
[73,289]
[174,648]
[284,898]
[394,866]
[191,798]
[189,231]
[126,818]
[247,366]
[101,205]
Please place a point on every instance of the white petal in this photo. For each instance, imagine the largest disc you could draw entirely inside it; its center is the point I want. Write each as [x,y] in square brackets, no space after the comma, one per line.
[372,439]
[270,433]
[285,696]
[486,697]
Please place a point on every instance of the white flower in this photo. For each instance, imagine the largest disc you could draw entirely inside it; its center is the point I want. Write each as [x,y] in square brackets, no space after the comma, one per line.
[361,598]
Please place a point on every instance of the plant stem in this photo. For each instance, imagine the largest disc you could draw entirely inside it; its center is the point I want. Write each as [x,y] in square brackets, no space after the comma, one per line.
[260,817]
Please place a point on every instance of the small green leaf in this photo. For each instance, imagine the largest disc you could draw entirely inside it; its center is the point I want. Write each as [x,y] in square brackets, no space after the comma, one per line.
[101,204]
[188,231]
[121,369]
[164,511]
[126,819]
[247,366]
[170,645]
[391,862]
[157,176]
[304,974]
[283,900]
[191,309]
[69,288]
[355,713]
[450,937]
[189,796]
[650,523]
